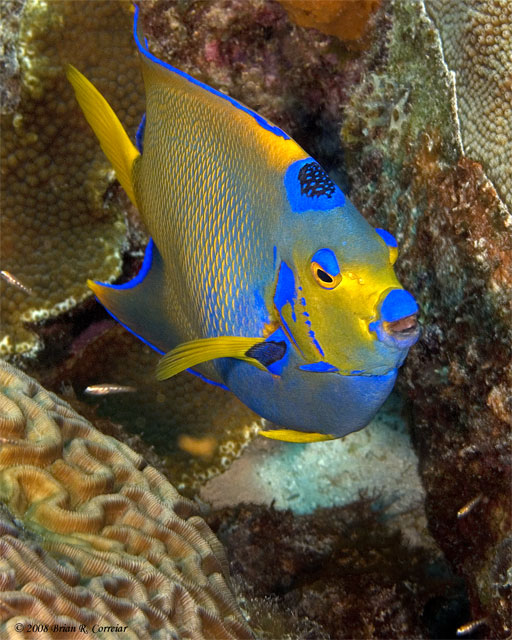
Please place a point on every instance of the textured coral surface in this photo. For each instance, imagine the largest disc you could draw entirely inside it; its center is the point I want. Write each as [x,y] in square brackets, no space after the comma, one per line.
[456,256]
[477,46]
[101,538]
[10,11]
[57,228]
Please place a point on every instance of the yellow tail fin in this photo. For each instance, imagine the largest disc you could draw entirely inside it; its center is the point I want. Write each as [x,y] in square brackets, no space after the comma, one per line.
[114,140]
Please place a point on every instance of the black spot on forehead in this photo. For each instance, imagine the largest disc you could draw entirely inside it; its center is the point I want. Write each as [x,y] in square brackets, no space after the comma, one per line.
[314,181]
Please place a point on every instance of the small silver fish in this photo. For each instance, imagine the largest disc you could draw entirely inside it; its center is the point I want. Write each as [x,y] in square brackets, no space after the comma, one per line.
[470,627]
[468,507]
[108,389]
[8,277]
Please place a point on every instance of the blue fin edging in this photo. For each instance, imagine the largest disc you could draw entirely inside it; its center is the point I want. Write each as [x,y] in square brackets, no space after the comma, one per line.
[259,119]
[387,237]
[144,270]
[139,136]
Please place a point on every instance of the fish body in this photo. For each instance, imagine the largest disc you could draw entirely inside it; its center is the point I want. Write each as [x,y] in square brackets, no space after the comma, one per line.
[260,275]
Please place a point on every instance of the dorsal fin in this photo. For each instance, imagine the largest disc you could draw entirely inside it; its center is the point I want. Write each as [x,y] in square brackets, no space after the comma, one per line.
[149,58]
[113,139]
[281,150]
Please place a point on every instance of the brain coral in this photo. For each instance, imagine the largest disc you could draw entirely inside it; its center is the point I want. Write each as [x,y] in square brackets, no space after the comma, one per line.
[477,46]
[57,227]
[101,538]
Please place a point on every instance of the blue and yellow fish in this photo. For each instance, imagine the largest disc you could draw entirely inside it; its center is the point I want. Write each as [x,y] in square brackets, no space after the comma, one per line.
[260,275]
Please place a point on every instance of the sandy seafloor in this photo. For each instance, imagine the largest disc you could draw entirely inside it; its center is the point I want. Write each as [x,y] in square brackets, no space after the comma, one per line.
[378,462]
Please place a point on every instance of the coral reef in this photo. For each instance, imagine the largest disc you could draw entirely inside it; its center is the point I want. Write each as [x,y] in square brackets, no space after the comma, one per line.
[97,536]
[477,47]
[409,175]
[344,19]
[340,571]
[58,229]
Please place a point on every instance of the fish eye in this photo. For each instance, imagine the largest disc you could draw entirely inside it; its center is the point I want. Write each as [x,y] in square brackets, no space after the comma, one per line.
[325,269]
[323,276]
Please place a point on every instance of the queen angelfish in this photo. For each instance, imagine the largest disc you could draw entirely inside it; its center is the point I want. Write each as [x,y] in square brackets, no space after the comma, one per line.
[260,275]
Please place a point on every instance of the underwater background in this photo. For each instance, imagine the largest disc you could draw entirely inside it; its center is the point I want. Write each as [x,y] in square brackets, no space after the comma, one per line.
[400,530]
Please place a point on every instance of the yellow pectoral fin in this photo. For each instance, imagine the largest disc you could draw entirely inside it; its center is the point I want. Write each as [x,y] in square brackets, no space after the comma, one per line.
[113,139]
[289,435]
[190,354]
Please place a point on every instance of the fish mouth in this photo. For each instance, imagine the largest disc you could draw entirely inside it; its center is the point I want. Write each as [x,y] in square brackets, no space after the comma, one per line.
[403,329]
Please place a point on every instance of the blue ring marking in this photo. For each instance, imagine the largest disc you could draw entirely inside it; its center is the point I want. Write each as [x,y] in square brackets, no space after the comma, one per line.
[398,304]
[387,237]
[139,136]
[300,202]
[259,119]
[326,258]
[275,258]
[322,367]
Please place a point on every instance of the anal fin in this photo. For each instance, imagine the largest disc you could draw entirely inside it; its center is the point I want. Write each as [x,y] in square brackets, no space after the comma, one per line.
[138,304]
